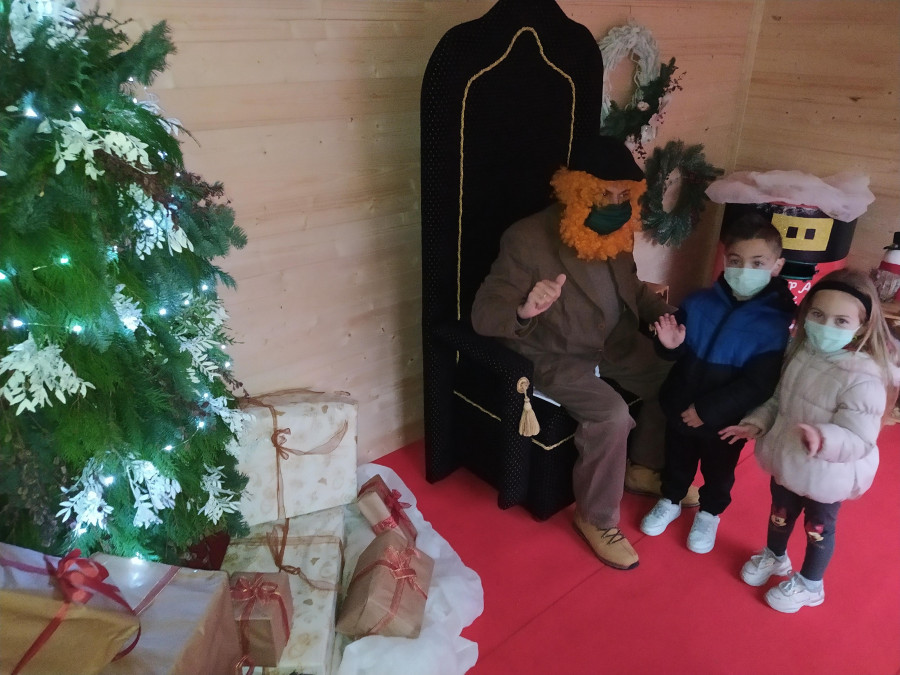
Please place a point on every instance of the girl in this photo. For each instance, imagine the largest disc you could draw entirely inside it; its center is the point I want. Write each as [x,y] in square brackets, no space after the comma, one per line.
[817,433]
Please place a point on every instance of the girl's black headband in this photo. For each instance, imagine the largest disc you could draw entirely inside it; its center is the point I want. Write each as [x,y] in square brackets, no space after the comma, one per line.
[834,285]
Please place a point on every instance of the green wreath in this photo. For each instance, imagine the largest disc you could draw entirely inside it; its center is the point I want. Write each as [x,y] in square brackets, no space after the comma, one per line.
[671,228]
[637,119]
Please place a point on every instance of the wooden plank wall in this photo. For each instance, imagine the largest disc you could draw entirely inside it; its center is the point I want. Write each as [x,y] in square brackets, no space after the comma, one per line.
[307,110]
[825,97]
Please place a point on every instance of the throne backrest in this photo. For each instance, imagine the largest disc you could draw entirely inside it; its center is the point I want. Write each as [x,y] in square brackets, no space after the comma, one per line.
[504,98]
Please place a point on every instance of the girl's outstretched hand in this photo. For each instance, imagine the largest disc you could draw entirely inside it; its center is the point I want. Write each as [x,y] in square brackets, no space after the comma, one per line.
[739,432]
[669,331]
[811,437]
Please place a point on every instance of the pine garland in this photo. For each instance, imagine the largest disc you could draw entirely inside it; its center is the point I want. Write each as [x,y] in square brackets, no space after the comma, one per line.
[673,227]
[106,269]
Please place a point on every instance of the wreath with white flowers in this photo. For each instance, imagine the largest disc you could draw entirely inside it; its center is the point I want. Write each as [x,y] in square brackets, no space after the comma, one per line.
[636,122]
[673,227]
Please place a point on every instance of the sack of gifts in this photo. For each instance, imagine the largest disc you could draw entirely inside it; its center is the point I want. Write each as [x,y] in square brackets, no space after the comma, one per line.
[299,452]
[262,609]
[54,608]
[382,507]
[388,589]
[187,619]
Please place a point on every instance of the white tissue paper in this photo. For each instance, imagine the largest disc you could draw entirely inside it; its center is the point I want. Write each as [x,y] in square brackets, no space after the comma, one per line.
[843,196]
[455,600]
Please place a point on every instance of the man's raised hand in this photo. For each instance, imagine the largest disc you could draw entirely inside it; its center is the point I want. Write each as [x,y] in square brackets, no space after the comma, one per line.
[539,299]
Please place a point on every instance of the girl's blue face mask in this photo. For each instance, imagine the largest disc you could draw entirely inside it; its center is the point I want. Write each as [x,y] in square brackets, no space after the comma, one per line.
[608,219]
[827,339]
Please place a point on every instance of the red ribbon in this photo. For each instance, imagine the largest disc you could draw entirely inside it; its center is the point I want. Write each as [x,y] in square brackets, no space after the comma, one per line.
[77,579]
[398,562]
[278,545]
[889,267]
[250,592]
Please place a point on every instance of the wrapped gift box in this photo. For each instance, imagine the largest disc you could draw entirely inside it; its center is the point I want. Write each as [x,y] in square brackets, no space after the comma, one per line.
[388,589]
[382,507]
[314,466]
[187,619]
[94,628]
[262,609]
[310,549]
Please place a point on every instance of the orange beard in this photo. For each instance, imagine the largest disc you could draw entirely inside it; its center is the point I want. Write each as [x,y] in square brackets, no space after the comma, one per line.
[579,192]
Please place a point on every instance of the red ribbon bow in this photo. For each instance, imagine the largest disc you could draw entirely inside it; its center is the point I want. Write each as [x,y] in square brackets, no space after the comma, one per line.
[77,579]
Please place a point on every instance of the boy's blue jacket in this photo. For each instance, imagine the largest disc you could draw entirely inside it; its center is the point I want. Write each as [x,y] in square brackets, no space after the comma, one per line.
[730,360]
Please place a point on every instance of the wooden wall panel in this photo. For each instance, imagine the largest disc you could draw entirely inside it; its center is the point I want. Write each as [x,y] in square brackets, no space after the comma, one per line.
[307,110]
[823,98]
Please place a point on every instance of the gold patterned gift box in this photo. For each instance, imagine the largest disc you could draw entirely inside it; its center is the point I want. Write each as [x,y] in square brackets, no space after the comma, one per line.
[310,549]
[187,619]
[56,609]
[299,452]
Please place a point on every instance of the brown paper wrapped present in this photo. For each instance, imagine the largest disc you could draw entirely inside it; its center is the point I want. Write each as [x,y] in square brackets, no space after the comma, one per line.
[388,589]
[53,608]
[262,609]
[382,507]
[187,619]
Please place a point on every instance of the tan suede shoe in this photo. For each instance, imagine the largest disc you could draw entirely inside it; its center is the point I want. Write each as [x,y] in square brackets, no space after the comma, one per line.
[609,545]
[640,480]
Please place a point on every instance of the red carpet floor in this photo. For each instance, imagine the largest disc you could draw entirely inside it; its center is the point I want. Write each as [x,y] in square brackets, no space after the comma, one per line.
[551,608]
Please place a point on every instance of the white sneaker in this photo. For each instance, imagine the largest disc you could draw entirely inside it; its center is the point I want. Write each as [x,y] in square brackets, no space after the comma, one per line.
[663,513]
[789,596]
[763,565]
[702,536]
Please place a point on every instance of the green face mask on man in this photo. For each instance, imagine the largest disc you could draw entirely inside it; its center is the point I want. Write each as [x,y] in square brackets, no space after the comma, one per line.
[608,219]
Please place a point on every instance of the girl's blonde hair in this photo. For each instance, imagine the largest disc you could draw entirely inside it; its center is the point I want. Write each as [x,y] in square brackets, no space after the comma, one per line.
[875,338]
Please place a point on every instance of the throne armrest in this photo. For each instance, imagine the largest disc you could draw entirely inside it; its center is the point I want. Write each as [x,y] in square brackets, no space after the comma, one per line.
[485,351]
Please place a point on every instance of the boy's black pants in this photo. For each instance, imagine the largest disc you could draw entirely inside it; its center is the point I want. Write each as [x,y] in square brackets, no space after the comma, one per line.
[717,460]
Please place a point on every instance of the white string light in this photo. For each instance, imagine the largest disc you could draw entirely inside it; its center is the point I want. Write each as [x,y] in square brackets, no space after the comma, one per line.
[29,112]
[163,311]
[17,323]
[77,329]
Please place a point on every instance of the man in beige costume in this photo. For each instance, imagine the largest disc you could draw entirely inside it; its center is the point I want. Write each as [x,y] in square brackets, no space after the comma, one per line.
[564,292]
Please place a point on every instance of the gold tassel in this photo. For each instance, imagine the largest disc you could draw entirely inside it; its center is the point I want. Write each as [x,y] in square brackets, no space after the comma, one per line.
[528,424]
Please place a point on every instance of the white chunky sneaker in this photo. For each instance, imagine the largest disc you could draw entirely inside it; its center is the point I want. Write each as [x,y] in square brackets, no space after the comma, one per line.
[702,536]
[789,596]
[763,565]
[663,513]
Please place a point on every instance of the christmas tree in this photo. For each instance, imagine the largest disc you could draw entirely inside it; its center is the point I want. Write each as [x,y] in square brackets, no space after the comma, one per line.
[116,404]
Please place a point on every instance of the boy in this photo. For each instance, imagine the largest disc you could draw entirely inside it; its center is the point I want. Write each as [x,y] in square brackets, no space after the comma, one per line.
[729,341]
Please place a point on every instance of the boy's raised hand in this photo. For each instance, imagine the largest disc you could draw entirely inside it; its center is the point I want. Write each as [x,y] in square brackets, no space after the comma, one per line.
[669,331]
[739,432]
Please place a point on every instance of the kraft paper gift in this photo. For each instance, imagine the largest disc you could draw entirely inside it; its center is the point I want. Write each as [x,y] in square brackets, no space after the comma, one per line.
[382,507]
[388,589]
[310,549]
[299,452]
[56,608]
[186,616]
[262,609]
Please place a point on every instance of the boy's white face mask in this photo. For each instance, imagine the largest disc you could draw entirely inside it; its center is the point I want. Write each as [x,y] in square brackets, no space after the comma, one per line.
[747,281]
[827,339]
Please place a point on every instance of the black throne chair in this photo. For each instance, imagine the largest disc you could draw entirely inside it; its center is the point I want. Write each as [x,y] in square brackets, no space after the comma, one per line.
[504,98]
